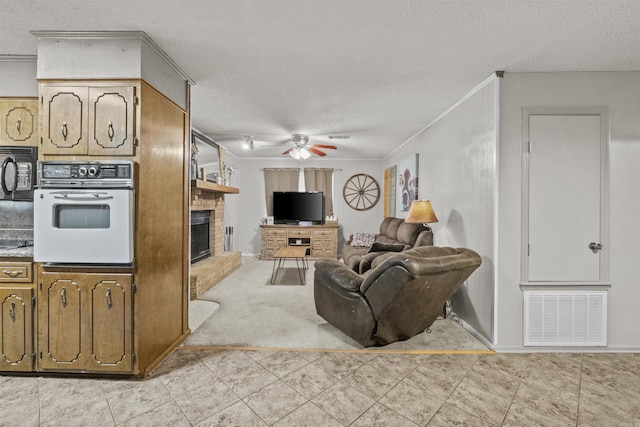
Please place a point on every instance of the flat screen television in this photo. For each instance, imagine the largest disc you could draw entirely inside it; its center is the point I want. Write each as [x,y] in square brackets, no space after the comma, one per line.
[292,207]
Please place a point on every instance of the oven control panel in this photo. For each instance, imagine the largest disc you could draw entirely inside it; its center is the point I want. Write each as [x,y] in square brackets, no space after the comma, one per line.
[112,174]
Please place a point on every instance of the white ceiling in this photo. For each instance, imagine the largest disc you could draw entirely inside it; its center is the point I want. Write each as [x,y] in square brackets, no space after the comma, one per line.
[377,70]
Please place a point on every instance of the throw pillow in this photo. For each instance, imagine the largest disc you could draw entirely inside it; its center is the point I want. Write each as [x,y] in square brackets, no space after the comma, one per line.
[363,239]
[386,247]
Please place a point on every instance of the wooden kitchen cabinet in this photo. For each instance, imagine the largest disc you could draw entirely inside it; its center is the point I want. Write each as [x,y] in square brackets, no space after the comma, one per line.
[97,120]
[19,121]
[86,322]
[85,335]
[15,271]
[16,328]
[109,109]
[16,319]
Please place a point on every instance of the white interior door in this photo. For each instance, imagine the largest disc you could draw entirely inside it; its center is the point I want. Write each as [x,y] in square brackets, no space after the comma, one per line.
[564,197]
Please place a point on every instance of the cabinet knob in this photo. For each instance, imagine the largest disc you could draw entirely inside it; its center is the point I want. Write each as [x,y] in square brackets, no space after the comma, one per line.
[64,130]
[18,125]
[107,299]
[63,297]
[10,273]
[110,131]
[12,311]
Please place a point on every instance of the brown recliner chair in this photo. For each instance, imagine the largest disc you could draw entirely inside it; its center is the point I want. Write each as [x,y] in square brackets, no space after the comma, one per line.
[401,296]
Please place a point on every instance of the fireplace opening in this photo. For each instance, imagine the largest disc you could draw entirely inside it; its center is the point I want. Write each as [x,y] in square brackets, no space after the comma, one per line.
[200,235]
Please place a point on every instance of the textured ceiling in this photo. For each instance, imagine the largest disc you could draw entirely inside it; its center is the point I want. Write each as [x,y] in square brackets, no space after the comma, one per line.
[376,70]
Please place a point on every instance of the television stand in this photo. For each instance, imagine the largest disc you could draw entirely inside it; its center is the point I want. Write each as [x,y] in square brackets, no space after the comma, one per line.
[322,240]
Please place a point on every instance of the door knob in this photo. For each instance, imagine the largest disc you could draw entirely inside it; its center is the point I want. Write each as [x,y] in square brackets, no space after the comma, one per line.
[595,247]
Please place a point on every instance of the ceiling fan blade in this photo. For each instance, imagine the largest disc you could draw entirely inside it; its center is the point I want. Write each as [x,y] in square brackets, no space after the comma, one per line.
[316,151]
[330,147]
[287,152]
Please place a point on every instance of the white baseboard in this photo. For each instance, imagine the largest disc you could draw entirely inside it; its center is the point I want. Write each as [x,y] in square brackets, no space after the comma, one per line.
[476,334]
[570,349]
[523,349]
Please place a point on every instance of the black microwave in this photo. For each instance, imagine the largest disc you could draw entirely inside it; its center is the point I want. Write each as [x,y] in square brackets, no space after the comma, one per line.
[18,172]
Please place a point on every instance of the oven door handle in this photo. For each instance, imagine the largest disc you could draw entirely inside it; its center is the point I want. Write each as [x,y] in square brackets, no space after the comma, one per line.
[65,195]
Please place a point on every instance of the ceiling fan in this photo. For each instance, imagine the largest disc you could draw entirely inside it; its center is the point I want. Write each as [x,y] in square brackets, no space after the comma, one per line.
[302,148]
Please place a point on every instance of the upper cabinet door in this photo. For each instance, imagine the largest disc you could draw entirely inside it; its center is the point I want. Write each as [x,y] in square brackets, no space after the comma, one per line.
[19,121]
[64,120]
[95,120]
[111,120]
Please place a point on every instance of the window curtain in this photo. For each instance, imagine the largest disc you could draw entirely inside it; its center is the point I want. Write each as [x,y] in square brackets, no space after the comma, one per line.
[321,179]
[279,180]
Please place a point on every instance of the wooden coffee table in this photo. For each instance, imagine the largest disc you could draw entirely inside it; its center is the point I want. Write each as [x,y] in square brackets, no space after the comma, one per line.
[299,253]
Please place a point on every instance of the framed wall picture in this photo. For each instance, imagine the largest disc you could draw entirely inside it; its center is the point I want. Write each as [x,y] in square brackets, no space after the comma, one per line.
[390,191]
[406,184]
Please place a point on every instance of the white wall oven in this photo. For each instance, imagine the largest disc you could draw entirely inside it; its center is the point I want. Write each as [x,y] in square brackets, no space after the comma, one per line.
[84,213]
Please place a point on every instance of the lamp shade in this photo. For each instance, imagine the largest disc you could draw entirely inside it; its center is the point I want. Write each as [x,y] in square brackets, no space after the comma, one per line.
[422,212]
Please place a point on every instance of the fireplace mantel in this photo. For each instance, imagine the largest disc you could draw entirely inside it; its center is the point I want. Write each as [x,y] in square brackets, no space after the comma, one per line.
[207,186]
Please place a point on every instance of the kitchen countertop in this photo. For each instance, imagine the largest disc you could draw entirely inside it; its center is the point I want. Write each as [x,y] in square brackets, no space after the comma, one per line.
[16,236]
[25,252]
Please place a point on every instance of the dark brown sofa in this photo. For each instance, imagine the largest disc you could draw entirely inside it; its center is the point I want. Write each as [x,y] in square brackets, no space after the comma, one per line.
[395,236]
[401,296]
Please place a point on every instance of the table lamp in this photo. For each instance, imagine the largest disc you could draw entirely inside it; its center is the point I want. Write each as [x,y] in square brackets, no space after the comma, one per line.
[421,212]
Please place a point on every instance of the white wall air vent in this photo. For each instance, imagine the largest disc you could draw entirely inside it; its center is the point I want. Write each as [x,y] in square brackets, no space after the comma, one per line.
[565,318]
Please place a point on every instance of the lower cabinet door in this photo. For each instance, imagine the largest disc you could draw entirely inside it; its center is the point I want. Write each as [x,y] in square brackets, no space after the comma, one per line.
[111,325]
[85,322]
[61,335]
[16,328]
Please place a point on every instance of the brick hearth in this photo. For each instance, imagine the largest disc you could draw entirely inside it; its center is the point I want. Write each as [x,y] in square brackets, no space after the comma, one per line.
[206,273]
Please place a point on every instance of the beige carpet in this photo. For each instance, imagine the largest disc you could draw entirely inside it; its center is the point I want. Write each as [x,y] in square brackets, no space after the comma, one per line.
[252,313]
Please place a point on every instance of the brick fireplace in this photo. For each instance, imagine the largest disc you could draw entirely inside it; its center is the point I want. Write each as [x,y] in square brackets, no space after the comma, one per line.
[200,235]
[207,272]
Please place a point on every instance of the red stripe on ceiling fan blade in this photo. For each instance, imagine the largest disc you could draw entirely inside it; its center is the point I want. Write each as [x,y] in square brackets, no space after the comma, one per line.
[330,147]
[287,152]
[317,152]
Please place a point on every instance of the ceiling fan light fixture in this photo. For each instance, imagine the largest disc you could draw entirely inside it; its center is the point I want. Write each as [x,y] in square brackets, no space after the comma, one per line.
[302,149]
[299,153]
[248,144]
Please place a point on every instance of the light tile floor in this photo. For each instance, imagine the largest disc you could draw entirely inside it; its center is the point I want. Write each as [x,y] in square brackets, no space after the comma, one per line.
[299,388]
